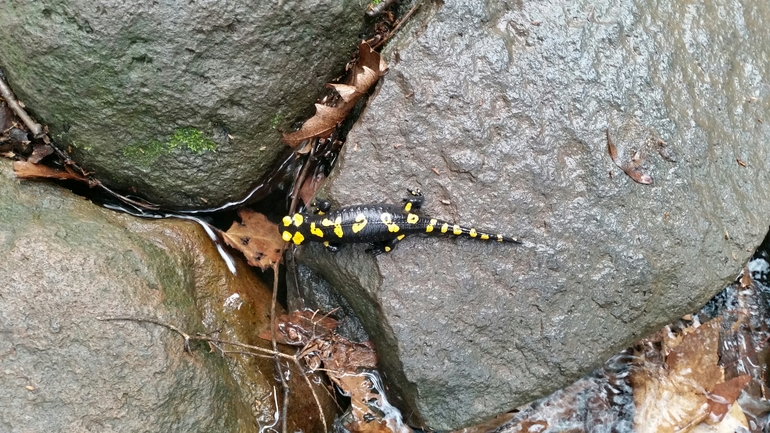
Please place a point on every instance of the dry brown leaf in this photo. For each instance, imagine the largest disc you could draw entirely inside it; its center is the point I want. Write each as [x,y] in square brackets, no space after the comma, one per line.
[633,168]
[345,355]
[28,170]
[358,388]
[363,395]
[311,185]
[299,328]
[256,237]
[724,395]
[39,151]
[369,68]
[745,278]
[732,423]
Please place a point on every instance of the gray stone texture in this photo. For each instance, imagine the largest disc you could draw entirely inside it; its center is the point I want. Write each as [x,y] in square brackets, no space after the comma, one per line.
[64,262]
[116,81]
[510,103]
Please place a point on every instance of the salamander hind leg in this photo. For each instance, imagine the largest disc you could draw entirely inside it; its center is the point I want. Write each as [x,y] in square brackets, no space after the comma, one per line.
[414,200]
[384,246]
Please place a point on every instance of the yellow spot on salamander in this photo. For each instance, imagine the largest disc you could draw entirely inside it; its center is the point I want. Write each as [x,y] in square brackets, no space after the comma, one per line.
[431,225]
[287,221]
[326,244]
[316,231]
[298,238]
[457,230]
[387,249]
[484,236]
[412,218]
[338,227]
[326,222]
[408,207]
[359,224]
[400,237]
[298,219]
[387,219]
[444,228]
[286,236]
[472,233]
[499,238]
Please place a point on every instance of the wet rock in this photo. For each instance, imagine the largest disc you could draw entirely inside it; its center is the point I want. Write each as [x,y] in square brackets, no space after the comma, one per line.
[501,113]
[64,262]
[180,102]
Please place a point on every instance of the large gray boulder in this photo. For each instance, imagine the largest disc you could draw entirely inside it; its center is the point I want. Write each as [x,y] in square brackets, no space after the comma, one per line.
[64,262]
[500,112]
[180,102]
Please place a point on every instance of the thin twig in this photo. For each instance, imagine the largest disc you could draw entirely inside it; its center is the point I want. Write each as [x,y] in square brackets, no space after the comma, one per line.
[215,341]
[124,199]
[315,397]
[10,99]
[398,26]
[275,348]
[197,337]
[301,178]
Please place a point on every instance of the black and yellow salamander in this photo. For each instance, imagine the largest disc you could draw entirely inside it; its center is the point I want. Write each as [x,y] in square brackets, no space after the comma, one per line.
[382,225]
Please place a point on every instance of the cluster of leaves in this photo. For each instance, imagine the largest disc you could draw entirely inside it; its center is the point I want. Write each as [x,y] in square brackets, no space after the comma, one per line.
[348,365]
[362,76]
[17,142]
[688,377]
[681,386]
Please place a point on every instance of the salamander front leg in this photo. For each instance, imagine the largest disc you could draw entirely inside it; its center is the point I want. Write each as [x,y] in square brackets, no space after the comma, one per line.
[414,200]
[332,247]
[320,207]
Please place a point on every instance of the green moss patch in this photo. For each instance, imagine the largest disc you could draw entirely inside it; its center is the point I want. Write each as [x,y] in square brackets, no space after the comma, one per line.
[188,138]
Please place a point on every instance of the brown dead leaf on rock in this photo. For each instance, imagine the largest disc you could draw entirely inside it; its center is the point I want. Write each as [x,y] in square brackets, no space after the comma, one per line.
[632,169]
[369,68]
[256,237]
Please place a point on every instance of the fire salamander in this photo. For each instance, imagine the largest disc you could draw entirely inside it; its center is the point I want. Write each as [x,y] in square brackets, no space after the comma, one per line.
[382,225]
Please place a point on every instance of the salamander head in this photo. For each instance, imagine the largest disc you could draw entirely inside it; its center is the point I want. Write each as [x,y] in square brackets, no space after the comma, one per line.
[290,228]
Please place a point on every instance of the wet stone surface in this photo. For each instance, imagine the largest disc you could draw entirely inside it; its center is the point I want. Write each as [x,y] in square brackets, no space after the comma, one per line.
[500,112]
[183,103]
[64,262]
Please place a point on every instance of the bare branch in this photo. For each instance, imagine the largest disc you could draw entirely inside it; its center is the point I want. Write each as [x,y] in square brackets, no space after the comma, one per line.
[10,99]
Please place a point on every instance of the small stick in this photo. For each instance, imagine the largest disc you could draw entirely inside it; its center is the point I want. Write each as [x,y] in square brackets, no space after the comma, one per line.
[263,352]
[198,337]
[275,349]
[7,94]
[398,26]
[301,178]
